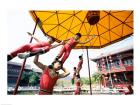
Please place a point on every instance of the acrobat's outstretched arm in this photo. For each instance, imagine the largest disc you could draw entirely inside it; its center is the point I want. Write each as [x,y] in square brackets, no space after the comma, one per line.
[65,74]
[39,64]
[65,41]
[86,40]
[56,45]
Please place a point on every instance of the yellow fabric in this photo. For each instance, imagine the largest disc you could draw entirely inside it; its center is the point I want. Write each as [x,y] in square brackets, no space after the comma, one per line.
[113,26]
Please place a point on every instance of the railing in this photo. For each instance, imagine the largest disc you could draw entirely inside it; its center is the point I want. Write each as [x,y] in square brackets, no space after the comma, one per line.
[120,69]
[24,88]
[70,90]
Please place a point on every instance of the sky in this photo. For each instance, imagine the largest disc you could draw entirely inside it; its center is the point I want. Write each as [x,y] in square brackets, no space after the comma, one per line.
[20,22]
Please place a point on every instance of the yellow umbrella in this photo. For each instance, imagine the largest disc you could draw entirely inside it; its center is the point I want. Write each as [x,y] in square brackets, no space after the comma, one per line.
[112,26]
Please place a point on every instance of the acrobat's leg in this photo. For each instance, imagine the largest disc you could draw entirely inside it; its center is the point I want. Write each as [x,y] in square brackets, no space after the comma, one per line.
[62,51]
[21,49]
[78,71]
[35,51]
[66,55]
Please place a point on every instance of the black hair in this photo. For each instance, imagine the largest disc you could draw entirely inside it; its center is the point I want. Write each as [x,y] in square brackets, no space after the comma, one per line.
[78,76]
[80,56]
[56,61]
[52,65]
[78,34]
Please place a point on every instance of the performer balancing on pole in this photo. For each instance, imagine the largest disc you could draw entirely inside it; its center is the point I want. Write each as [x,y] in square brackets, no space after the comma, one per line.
[77,70]
[79,67]
[31,49]
[50,75]
[69,44]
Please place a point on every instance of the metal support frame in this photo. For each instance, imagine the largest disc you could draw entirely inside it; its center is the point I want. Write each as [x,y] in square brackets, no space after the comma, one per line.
[89,72]
[23,65]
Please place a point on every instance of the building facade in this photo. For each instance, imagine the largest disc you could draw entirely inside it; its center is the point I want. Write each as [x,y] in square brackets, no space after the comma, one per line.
[13,70]
[116,68]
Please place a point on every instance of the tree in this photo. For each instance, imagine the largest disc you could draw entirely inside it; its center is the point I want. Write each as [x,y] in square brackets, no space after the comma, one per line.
[33,78]
[97,77]
[24,79]
[29,78]
[85,80]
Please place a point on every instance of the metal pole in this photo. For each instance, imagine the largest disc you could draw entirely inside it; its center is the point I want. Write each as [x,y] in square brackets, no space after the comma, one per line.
[109,72]
[89,72]
[23,65]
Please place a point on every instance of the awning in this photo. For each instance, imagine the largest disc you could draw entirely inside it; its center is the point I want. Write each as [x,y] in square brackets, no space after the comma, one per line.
[113,26]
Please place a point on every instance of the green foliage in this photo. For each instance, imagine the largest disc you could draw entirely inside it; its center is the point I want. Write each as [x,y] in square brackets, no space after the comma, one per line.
[97,77]
[33,78]
[24,79]
[30,78]
[85,80]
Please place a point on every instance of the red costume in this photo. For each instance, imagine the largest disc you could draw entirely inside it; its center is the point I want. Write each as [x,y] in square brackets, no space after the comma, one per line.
[47,83]
[66,49]
[80,65]
[78,88]
[32,48]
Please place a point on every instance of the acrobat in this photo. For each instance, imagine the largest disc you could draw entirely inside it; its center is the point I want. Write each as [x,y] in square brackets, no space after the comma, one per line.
[79,67]
[32,49]
[69,44]
[50,75]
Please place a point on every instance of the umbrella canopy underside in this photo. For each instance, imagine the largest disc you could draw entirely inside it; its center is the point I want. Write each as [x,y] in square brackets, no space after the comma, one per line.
[112,27]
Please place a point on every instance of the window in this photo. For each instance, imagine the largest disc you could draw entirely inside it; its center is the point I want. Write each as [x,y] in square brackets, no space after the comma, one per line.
[116,64]
[128,61]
